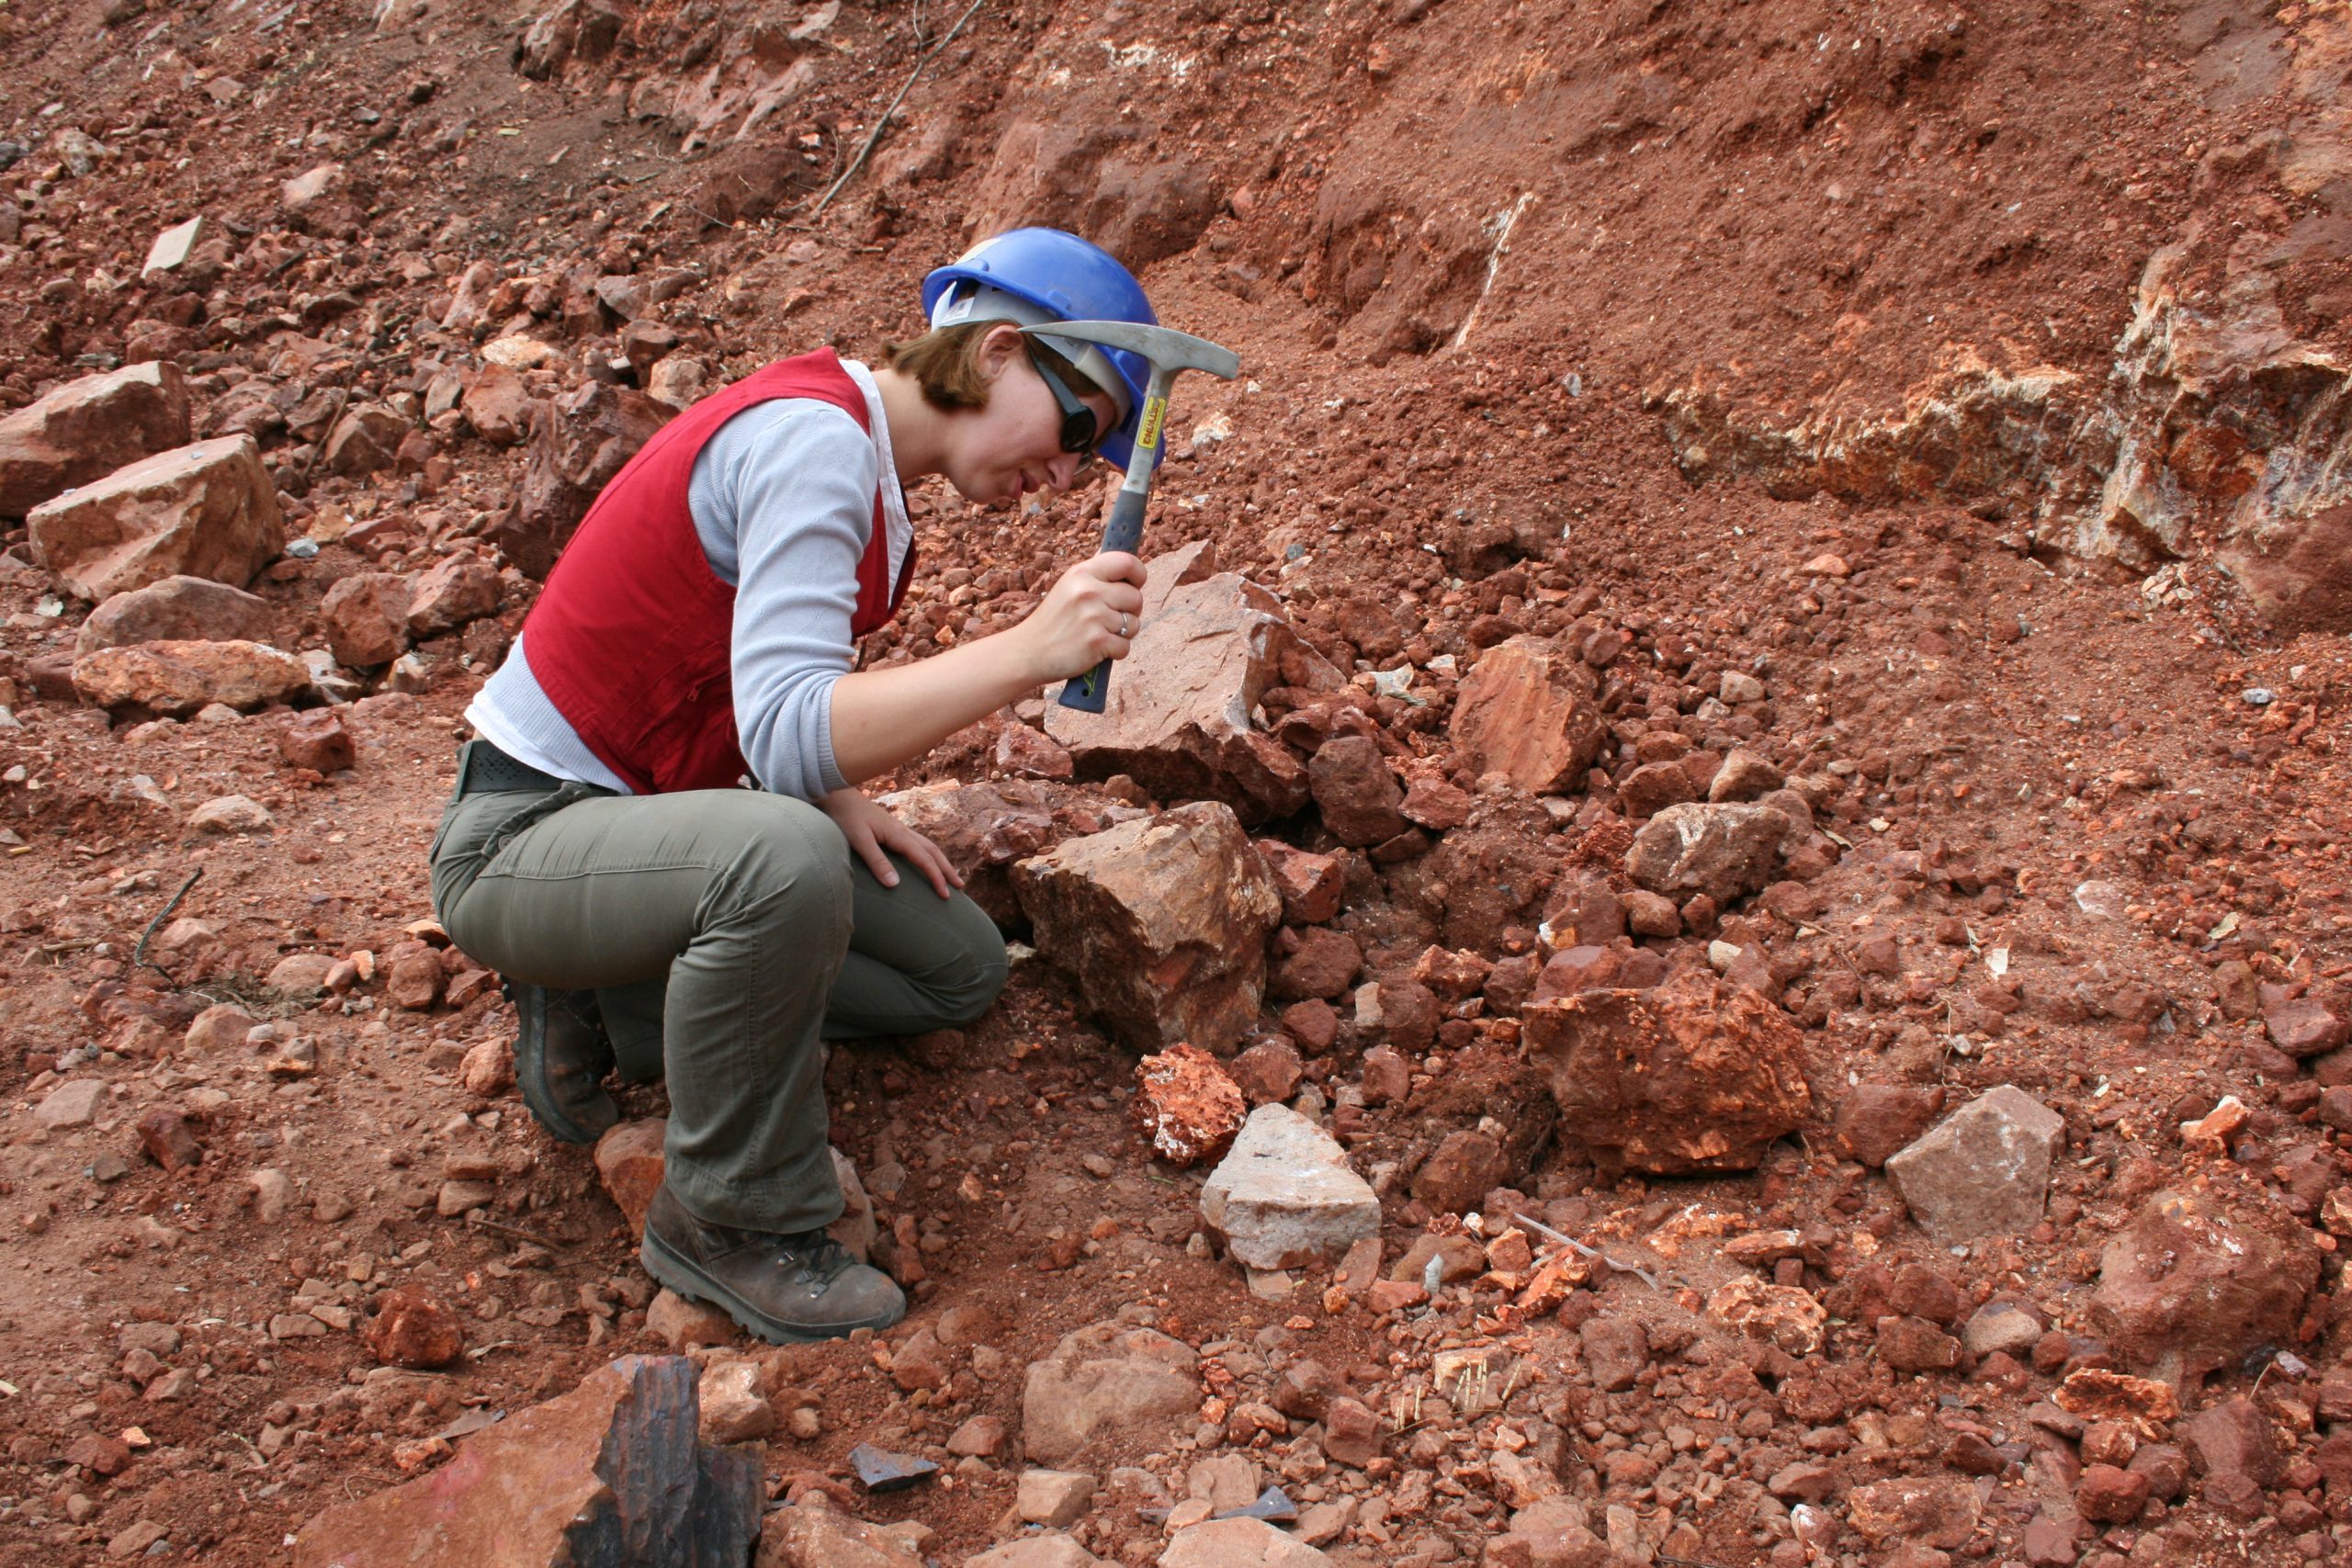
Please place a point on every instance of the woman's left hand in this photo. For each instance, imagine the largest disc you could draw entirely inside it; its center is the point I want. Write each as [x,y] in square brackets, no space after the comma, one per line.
[875,835]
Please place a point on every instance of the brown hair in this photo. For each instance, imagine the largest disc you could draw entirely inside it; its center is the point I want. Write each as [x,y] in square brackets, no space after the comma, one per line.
[946,363]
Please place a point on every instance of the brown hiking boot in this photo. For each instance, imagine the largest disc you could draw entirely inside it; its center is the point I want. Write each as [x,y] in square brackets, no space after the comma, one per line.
[561,1054]
[782,1288]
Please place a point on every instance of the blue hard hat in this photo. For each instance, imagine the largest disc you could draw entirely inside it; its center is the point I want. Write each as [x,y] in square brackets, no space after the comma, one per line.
[1066,280]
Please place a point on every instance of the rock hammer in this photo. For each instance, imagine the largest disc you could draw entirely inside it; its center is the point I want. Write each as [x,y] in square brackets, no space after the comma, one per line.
[1168,353]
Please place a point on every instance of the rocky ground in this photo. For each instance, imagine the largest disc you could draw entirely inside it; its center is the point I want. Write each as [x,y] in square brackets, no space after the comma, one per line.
[1708,929]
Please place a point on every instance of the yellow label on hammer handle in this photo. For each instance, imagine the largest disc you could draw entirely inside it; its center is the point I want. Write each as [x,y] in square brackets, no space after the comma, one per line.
[1148,432]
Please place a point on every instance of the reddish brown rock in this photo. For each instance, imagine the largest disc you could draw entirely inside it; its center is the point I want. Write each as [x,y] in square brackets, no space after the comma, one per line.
[495,404]
[1436,804]
[1983,1170]
[2304,1026]
[1875,1121]
[1937,1512]
[1914,1345]
[457,589]
[1451,973]
[611,1475]
[178,609]
[1031,753]
[2107,1495]
[1527,711]
[1355,790]
[1692,1074]
[1268,1071]
[578,442]
[1162,922]
[163,1133]
[983,829]
[1325,964]
[1186,1107]
[1784,1315]
[1723,852]
[412,1328]
[208,511]
[316,740]
[1407,1013]
[1352,1430]
[412,976]
[1463,1170]
[1387,1077]
[86,429]
[1574,969]
[1744,776]
[1177,720]
[366,617]
[1585,910]
[175,679]
[629,1163]
[2203,1279]
[1315,1024]
[365,440]
[2233,1438]
[1654,786]
[1310,885]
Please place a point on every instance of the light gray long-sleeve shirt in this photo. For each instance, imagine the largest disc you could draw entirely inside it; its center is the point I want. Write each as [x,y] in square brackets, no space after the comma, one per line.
[782,497]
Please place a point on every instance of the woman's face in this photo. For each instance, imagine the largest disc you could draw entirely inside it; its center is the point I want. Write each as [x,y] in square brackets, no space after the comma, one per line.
[1012,447]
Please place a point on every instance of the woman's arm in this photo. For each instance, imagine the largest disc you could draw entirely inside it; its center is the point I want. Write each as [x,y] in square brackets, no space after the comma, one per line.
[884,717]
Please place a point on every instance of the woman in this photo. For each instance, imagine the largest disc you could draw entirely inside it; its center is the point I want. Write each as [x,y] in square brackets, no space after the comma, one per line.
[647,912]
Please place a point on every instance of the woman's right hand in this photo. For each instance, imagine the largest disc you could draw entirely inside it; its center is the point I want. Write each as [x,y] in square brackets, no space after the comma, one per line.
[1092,615]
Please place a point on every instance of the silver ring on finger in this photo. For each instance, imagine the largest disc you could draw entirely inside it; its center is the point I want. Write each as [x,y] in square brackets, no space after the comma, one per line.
[1122,628]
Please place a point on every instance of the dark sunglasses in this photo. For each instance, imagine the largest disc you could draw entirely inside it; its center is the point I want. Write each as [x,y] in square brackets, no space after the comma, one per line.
[1080,427]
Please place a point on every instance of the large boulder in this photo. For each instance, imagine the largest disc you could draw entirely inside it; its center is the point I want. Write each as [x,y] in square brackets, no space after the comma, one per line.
[1694,1075]
[1725,851]
[88,428]
[178,609]
[175,679]
[1178,717]
[578,442]
[1105,1386]
[610,1475]
[209,510]
[2195,1280]
[1284,1197]
[1163,921]
[1528,711]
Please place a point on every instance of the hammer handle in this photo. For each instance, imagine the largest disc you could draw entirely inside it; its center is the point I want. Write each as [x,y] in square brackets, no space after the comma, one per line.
[1090,692]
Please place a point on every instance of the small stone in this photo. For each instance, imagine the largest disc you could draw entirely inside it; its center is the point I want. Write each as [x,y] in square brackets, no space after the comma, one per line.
[1284,1197]
[208,510]
[682,1324]
[231,813]
[1931,1512]
[733,1408]
[1107,1383]
[1054,1497]
[1186,1107]
[1615,1352]
[2204,1280]
[880,1470]
[73,1103]
[2107,1495]
[163,1133]
[1876,1121]
[413,1328]
[982,1436]
[1983,1171]
[1268,1071]
[317,740]
[2000,1327]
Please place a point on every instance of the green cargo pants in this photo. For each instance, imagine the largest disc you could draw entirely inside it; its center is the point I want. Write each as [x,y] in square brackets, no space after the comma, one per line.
[727,933]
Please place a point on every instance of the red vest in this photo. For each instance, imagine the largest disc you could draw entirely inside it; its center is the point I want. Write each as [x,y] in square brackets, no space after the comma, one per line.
[629,640]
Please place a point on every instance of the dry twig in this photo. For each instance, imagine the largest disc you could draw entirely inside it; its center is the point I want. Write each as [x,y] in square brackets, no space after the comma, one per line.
[138,955]
[884,123]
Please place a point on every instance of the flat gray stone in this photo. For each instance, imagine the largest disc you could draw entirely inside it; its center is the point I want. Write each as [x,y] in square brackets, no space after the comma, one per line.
[1284,1196]
[73,1103]
[1983,1170]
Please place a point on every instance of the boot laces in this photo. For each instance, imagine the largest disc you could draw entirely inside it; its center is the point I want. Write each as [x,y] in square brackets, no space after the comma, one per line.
[815,1258]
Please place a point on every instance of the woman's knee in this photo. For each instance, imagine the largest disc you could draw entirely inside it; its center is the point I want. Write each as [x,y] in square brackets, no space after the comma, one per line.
[971,985]
[785,859]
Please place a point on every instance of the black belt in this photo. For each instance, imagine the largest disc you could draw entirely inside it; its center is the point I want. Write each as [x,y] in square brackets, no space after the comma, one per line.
[484,769]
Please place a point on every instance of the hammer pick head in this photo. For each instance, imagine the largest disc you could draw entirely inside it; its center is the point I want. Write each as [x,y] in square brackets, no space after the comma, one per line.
[1168,350]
